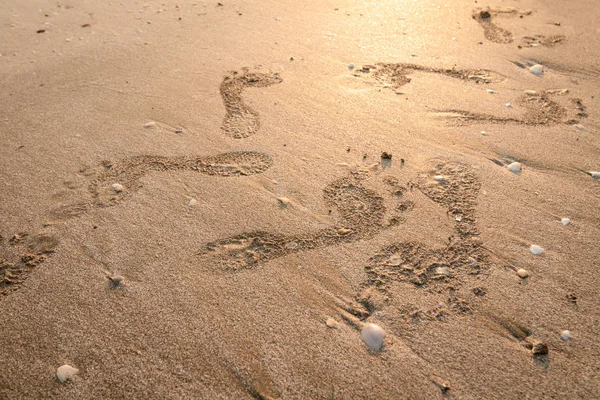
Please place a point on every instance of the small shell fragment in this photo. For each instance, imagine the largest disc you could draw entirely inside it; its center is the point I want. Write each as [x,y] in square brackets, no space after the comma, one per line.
[536,250]
[192,202]
[514,167]
[565,335]
[490,91]
[439,178]
[117,187]
[595,174]
[65,372]
[565,221]
[284,201]
[373,335]
[150,124]
[522,273]
[537,70]
[579,126]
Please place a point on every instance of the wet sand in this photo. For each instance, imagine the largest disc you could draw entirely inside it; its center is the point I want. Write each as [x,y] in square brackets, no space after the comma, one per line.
[195,200]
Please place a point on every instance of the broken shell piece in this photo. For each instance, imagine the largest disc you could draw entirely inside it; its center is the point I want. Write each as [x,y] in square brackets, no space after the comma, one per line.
[284,201]
[565,221]
[65,372]
[537,70]
[192,202]
[536,250]
[579,126]
[115,280]
[439,178]
[331,323]
[373,335]
[490,91]
[522,273]
[595,174]
[565,335]
[117,187]
[514,167]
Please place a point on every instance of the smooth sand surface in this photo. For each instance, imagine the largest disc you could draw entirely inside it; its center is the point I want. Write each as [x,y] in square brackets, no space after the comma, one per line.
[193,202]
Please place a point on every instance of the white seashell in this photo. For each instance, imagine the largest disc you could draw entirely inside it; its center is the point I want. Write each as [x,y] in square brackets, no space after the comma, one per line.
[508,105]
[595,174]
[536,250]
[514,167]
[490,91]
[150,124]
[65,372]
[331,323]
[192,202]
[565,221]
[373,335]
[351,66]
[579,126]
[537,70]
[117,187]
[439,178]
[565,335]
[522,273]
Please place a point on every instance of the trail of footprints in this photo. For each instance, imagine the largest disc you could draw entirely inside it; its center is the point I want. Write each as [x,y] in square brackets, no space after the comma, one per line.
[494,33]
[540,108]
[114,181]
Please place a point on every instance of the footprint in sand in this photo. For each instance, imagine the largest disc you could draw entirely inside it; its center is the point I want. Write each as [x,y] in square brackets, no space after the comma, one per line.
[240,120]
[439,271]
[113,182]
[487,19]
[362,214]
[540,108]
[20,254]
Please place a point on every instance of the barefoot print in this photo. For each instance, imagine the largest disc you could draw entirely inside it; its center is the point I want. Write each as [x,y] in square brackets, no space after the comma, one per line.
[240,120]
[487,19]
[439,271]
[362,214]
[20,254]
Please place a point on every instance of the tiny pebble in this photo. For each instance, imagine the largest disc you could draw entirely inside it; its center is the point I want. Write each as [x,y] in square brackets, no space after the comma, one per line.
[565,221]
[332,323]
[522,273]
[439,178]
[490,91]
[536,250]
[373,335]
[65,372]
[595,174]
[579,126]
[150,124]
[537,70]
[514,167]
[192,202]
[117,187]
[442,271]
[344,231]
[284,201]
[351,66]
[115,280]
[565,335]
[530,92]
[508,105]
[483,133]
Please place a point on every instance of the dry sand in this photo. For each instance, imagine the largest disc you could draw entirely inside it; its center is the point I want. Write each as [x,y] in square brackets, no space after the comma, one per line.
[193,202]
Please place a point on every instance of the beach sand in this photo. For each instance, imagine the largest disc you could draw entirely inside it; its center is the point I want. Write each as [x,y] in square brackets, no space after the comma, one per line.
[195,202]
